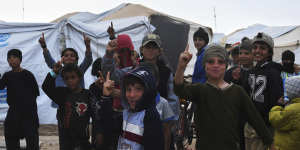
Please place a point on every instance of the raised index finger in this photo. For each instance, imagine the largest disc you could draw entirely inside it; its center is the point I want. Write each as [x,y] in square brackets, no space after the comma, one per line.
[108,76]
[187,48]
[111,25]
[43,35]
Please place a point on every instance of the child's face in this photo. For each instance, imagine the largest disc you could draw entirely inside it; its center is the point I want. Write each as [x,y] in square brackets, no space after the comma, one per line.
[150,51]
[69,57]
[199,43]
[245,57]
[72,80]
[14,61]
[215,68]
[134,93]
[260,52]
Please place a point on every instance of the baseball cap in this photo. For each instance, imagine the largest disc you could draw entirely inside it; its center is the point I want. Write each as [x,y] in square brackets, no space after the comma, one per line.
[151,38]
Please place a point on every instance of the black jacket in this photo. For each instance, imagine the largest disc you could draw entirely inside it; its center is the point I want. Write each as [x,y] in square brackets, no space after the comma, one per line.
[265,86]
[76,109]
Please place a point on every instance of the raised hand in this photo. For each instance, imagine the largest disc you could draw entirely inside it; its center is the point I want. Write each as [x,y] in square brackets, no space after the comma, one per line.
[57,67]
[111,31]
[87,42]
[185,57]
[108,85]
[112,45]
[42,41]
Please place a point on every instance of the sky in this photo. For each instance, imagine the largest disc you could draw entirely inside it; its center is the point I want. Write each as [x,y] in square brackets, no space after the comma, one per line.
[230,14]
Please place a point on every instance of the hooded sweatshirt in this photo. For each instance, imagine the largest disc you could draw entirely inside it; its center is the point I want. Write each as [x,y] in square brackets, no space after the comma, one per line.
[141,127]
[266,87]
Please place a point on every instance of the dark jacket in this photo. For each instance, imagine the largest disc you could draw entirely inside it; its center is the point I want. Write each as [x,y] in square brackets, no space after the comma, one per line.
[76,109]
[265,86]
[22,91]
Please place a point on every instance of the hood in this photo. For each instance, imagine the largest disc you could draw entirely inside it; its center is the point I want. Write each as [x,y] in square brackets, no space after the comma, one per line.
[270,64]
[148,99]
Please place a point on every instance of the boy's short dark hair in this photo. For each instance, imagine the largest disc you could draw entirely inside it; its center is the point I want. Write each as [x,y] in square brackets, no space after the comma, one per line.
[71,68]
[96,67]
[288,55]
[201,33]
[15,52]
[131,80]
[72,50]
[235,51]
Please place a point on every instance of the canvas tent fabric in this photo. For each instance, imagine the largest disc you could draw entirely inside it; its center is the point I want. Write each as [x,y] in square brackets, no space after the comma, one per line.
[285,37]
[175,32]
[67,31]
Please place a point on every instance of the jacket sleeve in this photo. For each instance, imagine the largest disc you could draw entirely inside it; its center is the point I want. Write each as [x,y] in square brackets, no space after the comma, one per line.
[275,87]
[87,61]
[103,115]
[279,118]
[254,118]
[153,137]
[48,58]
[55,94]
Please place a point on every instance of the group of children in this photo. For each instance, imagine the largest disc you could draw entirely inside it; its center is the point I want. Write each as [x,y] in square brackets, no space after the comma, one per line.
[133,106]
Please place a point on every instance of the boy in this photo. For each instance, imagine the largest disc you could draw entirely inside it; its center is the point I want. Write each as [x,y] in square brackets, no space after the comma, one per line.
[141,126]
[264,84]
[200,41]
[286,121]
[77,106]
[68,56]
[151,52]
[22,90]
[245,61]
[220,106]
[289,68]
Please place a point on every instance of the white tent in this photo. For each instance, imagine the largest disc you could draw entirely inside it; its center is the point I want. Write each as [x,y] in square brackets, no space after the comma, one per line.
[67,31]
[174,32]
[285,37]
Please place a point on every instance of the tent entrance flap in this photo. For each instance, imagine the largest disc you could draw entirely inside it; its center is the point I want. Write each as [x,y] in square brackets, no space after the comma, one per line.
[174,37]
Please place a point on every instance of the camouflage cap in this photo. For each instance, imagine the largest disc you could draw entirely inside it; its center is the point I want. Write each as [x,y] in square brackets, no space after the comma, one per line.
[151,38]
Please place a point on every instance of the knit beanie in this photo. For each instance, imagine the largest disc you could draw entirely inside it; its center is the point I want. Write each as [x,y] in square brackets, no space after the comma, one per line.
[201,33]
[288,55]
[263,37]
[292,87]
[215,50]
[246,44]
[124,41]
[15,52]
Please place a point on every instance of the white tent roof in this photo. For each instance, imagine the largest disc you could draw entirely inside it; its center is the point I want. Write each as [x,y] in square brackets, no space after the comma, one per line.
[285,37]
[275,32]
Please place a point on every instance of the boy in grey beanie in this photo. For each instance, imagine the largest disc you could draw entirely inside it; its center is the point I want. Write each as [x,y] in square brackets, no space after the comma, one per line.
[220,105]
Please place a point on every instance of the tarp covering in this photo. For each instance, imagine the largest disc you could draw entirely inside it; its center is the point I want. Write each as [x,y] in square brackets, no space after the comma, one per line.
[24,36]
[67,31]
[251,31]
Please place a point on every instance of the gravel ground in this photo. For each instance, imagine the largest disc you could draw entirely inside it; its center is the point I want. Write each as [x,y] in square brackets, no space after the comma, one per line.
[48,138]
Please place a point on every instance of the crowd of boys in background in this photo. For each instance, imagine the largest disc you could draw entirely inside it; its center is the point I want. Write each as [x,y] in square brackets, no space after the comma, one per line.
[247,103]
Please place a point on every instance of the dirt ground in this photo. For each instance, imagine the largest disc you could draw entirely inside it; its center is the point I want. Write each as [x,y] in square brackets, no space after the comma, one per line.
[48,137]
